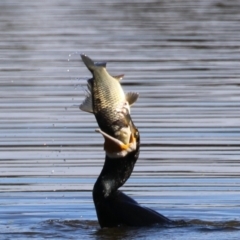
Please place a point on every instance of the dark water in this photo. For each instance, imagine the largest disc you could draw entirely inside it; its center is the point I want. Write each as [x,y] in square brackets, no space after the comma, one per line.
[183,57]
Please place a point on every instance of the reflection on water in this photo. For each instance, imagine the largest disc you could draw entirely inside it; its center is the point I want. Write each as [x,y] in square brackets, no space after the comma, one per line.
[183,59]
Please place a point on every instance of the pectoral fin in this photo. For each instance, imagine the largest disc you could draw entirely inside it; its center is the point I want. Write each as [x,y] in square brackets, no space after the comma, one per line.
[116,148]
[111,144]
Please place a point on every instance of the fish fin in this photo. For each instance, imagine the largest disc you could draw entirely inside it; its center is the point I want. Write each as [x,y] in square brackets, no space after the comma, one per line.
[119,77]
[101,64]
[87,105]
[131,97]
[110,140]
[89,85]
[88,62]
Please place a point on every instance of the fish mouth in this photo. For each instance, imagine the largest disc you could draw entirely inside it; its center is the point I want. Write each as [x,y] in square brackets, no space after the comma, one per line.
[115,148]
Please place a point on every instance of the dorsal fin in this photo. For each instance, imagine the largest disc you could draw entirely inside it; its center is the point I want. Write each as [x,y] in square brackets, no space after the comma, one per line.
[131,97]
[119,77]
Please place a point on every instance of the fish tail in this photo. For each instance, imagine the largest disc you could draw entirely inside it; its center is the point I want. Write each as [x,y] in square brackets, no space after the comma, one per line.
[88,62]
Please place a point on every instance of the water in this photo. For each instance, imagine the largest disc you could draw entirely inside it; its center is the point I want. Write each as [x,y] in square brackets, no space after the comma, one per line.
[183,59]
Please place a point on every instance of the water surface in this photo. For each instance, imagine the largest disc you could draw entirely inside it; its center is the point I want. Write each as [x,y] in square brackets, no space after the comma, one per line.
[183,59]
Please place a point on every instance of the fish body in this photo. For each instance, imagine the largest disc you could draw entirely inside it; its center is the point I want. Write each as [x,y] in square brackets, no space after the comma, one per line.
[108,102]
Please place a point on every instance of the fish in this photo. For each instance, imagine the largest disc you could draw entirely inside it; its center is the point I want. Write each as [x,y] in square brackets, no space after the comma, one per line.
[106,99]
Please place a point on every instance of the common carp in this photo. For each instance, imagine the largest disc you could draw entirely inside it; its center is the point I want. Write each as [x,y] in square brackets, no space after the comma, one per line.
[110,105]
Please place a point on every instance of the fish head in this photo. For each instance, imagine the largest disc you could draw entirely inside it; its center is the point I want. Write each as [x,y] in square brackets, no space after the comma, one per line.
[115,148]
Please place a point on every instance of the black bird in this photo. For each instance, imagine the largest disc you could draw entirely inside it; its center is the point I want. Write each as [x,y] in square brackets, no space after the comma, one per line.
[115,208]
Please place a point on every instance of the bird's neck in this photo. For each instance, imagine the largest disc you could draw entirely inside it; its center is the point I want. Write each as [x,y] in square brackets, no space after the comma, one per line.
[114,174]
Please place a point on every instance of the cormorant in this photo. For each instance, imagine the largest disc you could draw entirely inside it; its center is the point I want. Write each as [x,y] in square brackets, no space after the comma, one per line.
[115,208]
